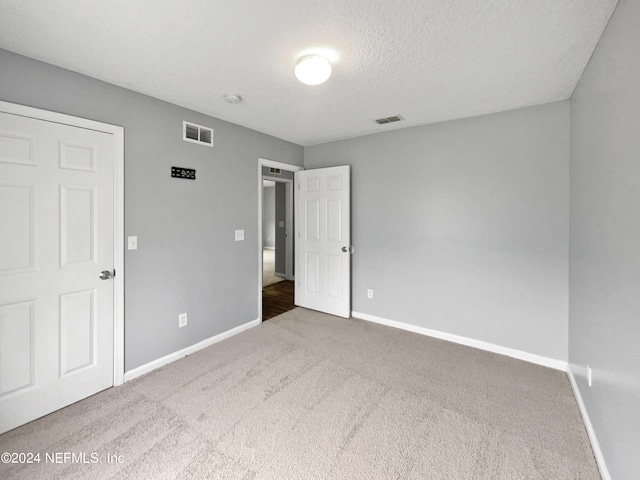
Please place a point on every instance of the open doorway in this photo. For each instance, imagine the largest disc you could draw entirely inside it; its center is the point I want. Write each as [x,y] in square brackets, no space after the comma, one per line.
[278,288]
[276,239]
[270,223]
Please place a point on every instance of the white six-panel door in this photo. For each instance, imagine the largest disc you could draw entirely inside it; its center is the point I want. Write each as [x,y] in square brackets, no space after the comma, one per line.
[323,240]
[56,224]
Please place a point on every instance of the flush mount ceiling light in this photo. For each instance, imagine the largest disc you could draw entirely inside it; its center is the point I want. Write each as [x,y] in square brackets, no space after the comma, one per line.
[313,69]
[232,98]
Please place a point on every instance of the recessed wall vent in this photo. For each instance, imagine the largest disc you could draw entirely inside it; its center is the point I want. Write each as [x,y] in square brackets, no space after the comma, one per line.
[395,118]
[194,133]
[274,171]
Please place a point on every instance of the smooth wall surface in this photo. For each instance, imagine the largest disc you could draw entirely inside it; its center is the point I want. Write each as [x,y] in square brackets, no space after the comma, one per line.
[604,321]
[187,259]
[463,226]
[269,217]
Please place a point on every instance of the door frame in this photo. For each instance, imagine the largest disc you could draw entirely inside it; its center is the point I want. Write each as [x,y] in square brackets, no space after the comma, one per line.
[263,162]
[118,215]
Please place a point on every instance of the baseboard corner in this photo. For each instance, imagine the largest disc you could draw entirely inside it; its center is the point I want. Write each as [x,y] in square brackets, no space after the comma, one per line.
[593,439]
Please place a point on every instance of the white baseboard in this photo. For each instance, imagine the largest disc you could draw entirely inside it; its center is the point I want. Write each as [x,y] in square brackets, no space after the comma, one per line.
[470,342]
[597,452]
[285,276]
[172,357]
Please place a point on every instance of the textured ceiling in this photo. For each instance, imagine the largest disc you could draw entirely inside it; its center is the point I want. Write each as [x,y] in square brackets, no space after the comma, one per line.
[427,60]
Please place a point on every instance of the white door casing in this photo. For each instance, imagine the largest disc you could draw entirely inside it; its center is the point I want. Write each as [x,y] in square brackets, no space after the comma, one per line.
[289,265]
[323,240]
[264,162]
[57,223]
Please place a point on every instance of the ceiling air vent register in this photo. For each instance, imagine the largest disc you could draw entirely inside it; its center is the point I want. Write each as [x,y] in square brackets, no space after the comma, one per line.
[192,132]
[395,118]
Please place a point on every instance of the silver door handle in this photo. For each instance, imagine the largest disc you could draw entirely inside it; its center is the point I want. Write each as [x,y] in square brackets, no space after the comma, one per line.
[106,275]
[347,249]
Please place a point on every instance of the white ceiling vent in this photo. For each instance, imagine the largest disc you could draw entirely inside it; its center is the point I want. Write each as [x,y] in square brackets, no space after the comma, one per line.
[395,118]
[194,133]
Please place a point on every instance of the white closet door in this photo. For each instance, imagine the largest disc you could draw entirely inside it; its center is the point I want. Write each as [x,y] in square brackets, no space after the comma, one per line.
[56,224]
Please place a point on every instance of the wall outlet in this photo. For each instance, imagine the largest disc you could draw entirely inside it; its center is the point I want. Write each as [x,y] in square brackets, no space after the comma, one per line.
[589,376]
[182,320]
[132,243]
[369,293]
[239,235]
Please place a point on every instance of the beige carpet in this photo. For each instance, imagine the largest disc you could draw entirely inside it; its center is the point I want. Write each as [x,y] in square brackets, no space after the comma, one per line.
[269,267]
[310,396]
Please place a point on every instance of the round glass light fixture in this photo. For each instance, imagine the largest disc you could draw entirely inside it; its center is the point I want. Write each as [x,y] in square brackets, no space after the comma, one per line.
[313,69]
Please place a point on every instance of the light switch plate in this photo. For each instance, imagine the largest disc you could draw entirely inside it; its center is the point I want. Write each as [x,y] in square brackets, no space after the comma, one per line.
[281,223]
[132,243]
[239,235]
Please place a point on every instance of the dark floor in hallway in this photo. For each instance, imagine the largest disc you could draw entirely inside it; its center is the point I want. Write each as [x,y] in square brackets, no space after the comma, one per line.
[277,299]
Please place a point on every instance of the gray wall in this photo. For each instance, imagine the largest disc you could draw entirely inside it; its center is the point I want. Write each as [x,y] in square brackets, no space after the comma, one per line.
[463,226]
[187,259]
[269,217]
[281,216]
[604,321]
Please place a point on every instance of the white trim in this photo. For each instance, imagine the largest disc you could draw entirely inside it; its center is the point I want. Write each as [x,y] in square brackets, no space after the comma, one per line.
[118,260]
[269,248]
[263,162]
[172,357]
[55,117]
[118,215]
[597,452]
[470,342]
[289,259]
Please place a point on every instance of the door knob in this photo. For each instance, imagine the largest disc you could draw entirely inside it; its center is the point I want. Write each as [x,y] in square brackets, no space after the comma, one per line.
[105,275]
[347,249]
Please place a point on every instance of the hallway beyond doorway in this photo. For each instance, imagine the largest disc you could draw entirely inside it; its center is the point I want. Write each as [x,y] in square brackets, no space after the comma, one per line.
[269,276]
